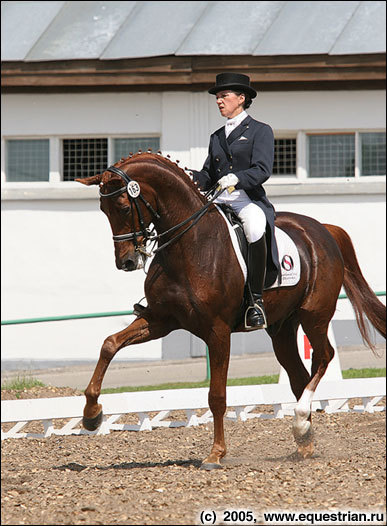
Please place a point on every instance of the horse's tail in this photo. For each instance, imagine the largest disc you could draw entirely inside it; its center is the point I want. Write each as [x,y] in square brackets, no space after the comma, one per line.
[363,299]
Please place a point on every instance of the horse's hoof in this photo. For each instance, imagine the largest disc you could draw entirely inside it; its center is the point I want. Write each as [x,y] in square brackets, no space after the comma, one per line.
[138,309]
[303,433]
[91,424]
[209,466]
[305,450]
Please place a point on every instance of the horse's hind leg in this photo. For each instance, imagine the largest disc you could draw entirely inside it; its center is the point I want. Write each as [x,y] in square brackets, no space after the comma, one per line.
[138,332]
[322,354]
[286,350]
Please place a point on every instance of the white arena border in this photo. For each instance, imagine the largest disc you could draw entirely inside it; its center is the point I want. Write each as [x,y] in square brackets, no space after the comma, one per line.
[330,396]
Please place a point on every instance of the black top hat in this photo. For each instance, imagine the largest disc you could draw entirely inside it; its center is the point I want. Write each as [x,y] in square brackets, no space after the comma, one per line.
[233,81]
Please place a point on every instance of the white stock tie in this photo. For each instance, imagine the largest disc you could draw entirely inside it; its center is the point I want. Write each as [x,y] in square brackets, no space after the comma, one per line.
[229,127]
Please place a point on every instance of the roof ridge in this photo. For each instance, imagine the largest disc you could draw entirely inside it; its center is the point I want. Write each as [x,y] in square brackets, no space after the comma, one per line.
[136,6]
[344,27]
[268,28]
[210,3]
[44,32]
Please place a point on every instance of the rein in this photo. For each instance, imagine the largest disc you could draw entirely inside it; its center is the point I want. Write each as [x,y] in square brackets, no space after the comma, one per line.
[133,190]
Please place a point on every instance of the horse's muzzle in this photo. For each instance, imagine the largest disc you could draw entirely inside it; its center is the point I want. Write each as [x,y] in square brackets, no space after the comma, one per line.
[132,262]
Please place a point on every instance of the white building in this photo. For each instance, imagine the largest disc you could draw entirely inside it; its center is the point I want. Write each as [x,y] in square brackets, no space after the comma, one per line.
[85,83]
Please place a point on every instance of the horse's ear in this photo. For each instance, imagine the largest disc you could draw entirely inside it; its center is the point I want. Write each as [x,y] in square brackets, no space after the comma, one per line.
[94,179]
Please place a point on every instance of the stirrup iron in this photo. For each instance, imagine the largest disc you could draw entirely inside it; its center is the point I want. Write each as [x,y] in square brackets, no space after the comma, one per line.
[256,307]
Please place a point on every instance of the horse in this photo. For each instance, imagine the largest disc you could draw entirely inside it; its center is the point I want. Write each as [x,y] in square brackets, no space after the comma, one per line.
[195,282]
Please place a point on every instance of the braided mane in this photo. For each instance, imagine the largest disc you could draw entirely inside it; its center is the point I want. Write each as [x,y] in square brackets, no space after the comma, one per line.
[167,163]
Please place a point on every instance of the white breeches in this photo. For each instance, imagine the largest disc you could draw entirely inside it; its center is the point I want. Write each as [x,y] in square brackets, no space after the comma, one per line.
[252,216]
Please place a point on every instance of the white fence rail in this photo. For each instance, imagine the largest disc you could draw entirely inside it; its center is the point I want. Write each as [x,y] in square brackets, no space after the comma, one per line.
[330,397]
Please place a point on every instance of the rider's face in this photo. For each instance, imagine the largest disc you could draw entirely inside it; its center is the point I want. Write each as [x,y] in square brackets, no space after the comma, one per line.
[229,103]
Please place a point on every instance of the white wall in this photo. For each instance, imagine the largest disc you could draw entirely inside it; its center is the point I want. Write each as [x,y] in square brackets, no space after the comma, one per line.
[184,120]
[58,259]
[57,252]
[321,110]
[90,113]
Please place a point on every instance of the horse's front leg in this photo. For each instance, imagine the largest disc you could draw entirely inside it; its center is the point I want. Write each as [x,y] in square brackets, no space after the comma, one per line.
[219,352]
[138,332]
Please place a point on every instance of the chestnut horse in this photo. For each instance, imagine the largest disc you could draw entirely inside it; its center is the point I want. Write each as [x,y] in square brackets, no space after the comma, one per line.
[195,282]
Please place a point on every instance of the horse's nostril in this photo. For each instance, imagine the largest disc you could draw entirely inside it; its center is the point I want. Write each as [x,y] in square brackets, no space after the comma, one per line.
[129,265]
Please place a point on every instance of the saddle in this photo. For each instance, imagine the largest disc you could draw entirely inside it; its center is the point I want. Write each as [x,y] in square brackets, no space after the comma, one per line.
[237,226]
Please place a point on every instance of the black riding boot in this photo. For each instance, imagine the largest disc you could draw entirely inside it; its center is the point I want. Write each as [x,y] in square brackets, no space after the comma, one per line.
[255,317]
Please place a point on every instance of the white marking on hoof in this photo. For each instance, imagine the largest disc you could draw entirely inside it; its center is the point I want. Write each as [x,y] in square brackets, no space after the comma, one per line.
[301,426]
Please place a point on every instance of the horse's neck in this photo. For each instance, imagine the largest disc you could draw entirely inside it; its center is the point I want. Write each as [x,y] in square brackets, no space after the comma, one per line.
[177,201]
[177,198]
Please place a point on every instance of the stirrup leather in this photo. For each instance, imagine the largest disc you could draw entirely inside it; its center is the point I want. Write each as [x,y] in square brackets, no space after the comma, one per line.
[259,308]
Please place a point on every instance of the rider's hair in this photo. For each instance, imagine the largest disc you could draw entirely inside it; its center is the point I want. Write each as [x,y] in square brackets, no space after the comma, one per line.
[248,99]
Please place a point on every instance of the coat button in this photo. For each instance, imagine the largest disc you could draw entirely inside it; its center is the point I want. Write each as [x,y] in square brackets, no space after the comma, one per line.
[218,170]
[217,159]
[230,166]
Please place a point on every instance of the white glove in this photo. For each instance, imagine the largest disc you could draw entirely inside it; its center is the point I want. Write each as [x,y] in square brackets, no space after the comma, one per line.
[228,180]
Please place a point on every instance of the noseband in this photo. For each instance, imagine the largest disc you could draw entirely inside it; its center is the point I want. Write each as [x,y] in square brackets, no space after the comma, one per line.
[133,190]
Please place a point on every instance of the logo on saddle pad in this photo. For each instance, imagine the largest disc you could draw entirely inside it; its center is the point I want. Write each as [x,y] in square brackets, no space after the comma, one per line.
[289,258]
[287,263]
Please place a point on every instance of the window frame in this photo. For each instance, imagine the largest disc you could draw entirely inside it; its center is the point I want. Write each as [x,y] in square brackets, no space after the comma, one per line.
[4,156]
[338,178]
[301,177]
[56,156]
[358,151]
[289,136]
[357,177]
[302,163]
[62,159]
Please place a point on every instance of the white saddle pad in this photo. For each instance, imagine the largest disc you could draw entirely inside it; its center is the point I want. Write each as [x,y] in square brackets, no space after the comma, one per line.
[288,255]
[289,259]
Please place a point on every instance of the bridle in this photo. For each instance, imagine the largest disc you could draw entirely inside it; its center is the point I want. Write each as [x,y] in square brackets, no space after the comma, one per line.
[134,193]
[133,190]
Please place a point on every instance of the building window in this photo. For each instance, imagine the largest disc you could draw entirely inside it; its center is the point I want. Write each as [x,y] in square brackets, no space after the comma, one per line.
[351,155]
[332,155]
[373,153]
[27,160]
[285,157]
[123,147]
[84,157]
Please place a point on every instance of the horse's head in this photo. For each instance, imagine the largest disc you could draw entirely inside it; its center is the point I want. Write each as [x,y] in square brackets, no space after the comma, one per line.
[130,208]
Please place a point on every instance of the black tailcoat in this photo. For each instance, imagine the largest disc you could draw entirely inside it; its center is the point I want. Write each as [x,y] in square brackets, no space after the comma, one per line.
[248,152]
